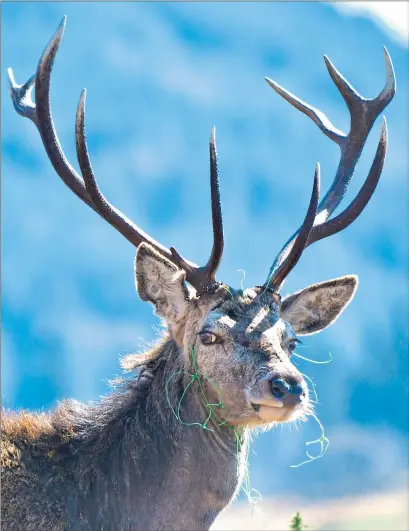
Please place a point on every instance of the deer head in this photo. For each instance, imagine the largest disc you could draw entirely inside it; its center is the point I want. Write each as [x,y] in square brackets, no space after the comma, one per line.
[242,340]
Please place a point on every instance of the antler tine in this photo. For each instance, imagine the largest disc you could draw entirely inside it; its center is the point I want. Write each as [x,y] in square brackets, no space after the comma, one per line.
[87,190]
[354,209]
[363,113]
[316,116]
[217,221]
[277,277]
[207,273]
[40,113]
[133,233]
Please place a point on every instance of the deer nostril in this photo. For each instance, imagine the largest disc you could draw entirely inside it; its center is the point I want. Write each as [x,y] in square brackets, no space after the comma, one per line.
[278,388]
[294,387]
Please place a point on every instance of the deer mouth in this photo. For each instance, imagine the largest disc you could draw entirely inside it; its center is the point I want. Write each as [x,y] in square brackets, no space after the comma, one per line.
[271,409]
[270,412]
[258,405]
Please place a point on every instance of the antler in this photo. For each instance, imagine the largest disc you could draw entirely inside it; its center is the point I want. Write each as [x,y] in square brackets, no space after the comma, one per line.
[202,278]
[209,270]
[301,239]
[363,113]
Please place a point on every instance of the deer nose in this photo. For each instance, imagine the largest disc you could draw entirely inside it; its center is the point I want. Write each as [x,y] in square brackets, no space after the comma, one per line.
[289,391]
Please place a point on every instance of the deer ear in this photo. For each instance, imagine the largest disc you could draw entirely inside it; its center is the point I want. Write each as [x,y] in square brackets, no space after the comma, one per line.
[159,281]
[314,308]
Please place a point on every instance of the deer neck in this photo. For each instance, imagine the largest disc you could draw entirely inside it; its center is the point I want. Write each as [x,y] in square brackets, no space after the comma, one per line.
[161,470]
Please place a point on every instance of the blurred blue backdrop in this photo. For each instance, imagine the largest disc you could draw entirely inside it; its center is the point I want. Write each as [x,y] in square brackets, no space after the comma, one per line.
[159,76]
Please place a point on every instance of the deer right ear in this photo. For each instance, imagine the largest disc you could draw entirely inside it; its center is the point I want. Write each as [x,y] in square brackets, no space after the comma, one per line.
[314,308]
[159,281]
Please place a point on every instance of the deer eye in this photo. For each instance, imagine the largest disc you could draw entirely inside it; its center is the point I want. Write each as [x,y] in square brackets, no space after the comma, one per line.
[208,338]
[232,315]
[292,345]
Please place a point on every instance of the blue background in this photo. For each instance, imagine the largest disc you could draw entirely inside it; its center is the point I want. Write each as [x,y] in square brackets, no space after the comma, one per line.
[159,76]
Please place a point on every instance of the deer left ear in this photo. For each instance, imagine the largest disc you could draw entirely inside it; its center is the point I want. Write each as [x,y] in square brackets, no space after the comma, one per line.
[159,281]
[314,308]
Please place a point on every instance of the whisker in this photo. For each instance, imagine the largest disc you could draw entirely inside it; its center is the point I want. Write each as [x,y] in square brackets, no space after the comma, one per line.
[313,386]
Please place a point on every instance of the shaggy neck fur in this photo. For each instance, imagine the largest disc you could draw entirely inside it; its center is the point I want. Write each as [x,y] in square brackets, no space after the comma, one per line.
[128,463]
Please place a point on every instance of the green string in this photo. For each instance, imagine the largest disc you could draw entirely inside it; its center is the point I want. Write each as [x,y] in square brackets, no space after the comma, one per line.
[322,441]
[314,361]
[226,288]
[239,433]
[247,489]
[198,376]
[243,278]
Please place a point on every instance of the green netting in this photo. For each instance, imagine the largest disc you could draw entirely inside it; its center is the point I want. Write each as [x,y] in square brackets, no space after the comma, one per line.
[198,377]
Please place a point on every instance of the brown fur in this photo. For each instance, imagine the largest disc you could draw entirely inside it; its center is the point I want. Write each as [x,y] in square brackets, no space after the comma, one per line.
[126,462]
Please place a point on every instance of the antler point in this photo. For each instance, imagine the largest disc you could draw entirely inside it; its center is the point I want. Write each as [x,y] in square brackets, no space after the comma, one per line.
[10,74]
[327,60]
[55,40]
[275,86]
[384,129]
[81,107]
[63,22]
[317,179]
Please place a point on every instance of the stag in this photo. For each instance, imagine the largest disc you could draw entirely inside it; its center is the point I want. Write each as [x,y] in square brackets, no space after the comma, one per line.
[165,450]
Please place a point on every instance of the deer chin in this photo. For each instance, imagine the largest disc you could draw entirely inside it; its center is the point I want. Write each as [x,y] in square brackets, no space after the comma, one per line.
[272,414]
[263,415]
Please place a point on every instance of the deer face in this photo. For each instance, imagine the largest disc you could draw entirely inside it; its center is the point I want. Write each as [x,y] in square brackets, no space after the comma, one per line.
[244,347]
[242,341]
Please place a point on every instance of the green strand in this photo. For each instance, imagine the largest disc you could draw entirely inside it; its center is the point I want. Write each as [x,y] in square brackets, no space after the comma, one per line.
[238,433]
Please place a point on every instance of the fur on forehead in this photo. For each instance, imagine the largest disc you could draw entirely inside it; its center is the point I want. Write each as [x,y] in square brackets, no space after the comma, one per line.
[241,302]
